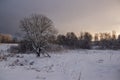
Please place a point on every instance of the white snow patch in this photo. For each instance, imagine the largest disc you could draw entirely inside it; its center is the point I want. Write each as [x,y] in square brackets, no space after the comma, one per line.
[66,65]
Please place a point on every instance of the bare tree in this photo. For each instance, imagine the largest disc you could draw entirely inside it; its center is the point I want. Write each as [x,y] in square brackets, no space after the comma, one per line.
[38,30]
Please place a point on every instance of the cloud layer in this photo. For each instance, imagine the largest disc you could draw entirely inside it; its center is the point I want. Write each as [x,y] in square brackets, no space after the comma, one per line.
[67,15]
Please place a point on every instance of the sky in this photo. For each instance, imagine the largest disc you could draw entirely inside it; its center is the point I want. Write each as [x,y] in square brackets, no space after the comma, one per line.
[68,15]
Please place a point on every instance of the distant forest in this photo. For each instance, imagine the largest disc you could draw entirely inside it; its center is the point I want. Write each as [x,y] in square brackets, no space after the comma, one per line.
[87,41]
[7,38]
[84,41]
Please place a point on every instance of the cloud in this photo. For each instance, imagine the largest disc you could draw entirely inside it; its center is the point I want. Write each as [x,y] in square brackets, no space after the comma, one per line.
[68,15]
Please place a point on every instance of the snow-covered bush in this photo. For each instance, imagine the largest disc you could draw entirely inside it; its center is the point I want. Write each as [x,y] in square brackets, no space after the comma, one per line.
[14,49]
[22,47]
[54,48]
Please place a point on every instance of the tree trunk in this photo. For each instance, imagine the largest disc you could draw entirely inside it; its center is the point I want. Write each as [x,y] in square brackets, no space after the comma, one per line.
[45,54]
[38,54]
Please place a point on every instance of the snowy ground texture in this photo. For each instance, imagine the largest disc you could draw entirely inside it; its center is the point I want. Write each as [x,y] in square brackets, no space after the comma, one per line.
[65,65]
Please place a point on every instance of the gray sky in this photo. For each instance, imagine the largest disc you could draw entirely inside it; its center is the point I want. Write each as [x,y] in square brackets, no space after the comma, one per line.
[67,15]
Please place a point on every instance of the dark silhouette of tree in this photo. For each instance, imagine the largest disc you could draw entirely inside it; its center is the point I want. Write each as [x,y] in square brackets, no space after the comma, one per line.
[71,39]
[104,40]
[85,40]
[118,38]
[61,40]
[113,35]
[81,37]
[96,39]
[108,41]
[118,42]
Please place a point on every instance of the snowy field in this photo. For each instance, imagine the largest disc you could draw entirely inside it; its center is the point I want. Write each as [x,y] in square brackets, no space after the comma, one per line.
[64,65]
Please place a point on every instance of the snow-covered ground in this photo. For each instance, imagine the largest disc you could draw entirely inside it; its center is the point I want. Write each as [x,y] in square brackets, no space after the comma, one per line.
[64,65]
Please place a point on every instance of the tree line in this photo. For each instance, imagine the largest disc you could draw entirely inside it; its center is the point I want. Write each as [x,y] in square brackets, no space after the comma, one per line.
[70,40]
[87,41]
[7,38]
